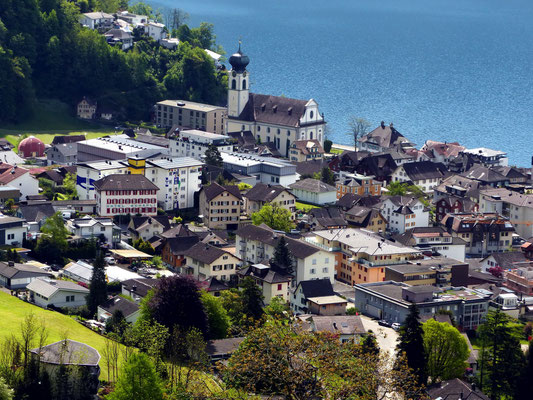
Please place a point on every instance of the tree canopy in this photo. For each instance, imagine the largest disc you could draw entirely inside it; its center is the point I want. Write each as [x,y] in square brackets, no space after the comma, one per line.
[217,316]
[282,256]
[212,156]
[446,351]
[411,344]
[98,286]
[274,216]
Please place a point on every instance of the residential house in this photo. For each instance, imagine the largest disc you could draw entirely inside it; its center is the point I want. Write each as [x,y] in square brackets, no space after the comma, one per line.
[514,175]
[256,244]
[81,271]
[9,192]
[125,194]
[361,255]
[53,293]
[264,169]
[156,30]
[455,389]
[391,300]
[272,281]
[483,233]
[138,288]
[438,271]
[87,108]
[35,215]
[506,261]
[220,206]
[456,194]
[380,166]
[350,160]
[15,276]
[62,154]
[399,155]
[440,152]
[382,138]
[213,286]
[147,227]
[119,37]
[487,157]
[271,118]
[173,114]
[326,218]
[129,309]
[261,194]
[97,20]
[314,191]
[404,212]
[349,328]
[174,249]
[486,176]
[81,357]
[358,184]
[515,206]
[310,289]
[13,231]
[366,217]
[327,305]
[20,178]
[194,143]
[433,240]
[204,261]
[520,280]
[67,207]
[425,174]
[306,150]
[95,228]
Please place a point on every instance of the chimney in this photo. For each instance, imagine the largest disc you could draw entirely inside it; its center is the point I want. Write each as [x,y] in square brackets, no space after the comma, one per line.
[391,124]
[383,126]
[335,326]
[134,288]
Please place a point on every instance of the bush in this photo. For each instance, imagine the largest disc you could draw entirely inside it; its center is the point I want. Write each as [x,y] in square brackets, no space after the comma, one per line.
[327,145]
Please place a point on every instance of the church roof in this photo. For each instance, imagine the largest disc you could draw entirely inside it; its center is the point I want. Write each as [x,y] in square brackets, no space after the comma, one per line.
[273,110]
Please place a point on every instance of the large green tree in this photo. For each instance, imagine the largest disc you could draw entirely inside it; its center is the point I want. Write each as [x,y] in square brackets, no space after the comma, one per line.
[500,358]
[282,255]
[52,244]
[274,216]
[327,176]
[98,286]
[138,380]
[411,344]
[252,299]
[524,388]
[446,351]
[217,316]
[212,156]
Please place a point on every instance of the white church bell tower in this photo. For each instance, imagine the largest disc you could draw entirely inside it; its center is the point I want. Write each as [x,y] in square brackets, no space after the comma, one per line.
[238,83]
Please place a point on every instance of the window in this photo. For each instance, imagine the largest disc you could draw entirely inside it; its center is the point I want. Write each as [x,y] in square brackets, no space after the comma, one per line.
[280,286]
[244,84]
[314,261]
[313,271]
[311,114]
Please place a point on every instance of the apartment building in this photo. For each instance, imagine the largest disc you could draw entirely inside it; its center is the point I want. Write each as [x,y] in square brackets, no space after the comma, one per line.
[89,228]
[90,172]
[190,115]
[220,206]
[404,212]
[425,174]
[204,261]
[433,240]
[438,271]
[306,150]
[361,255]
[256,244]
[125,194]
[361,185]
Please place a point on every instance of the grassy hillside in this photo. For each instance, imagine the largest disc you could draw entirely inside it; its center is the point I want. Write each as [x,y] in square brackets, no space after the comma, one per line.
[53,118]
[13,311]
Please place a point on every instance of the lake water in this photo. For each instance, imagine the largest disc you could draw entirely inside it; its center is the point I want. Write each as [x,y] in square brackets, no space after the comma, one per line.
[449,70]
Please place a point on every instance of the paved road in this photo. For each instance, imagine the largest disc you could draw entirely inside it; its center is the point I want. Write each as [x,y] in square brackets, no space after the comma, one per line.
[386,337]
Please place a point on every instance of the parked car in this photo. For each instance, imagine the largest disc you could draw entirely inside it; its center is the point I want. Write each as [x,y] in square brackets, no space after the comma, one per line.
[384,322]
[109,260]
[396,326]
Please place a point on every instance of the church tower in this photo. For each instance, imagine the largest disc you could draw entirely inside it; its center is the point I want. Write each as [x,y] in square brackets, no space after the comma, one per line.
[238,83]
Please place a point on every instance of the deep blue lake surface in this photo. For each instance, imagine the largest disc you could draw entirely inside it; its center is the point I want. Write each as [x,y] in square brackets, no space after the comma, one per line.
[449,70]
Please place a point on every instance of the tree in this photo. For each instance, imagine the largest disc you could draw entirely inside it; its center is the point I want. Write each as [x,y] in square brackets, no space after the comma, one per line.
[54,227]
[501,357]
[446,351]
[327,176]
[411,344]
[327,145]
[369,344]
[98,286]
[69,185]
[144,246]
[176,301]
[139,380]
[358,128]
[212,156]
[524,388]
[217,316]
[282,255]
[5,392]
[9,207]
[252,299]
[274,216]
[174,18]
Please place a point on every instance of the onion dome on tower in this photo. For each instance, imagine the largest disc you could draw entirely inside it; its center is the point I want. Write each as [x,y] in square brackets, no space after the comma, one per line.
[31,147]
[239,61]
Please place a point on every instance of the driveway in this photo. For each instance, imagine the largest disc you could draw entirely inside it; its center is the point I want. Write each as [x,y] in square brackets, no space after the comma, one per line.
[386,337]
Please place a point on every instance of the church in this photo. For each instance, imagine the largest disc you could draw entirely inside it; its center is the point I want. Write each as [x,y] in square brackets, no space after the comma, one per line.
[274,119]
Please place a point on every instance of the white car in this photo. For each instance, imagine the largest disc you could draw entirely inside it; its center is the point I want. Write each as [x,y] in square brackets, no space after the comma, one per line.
[109,260]
[396,326]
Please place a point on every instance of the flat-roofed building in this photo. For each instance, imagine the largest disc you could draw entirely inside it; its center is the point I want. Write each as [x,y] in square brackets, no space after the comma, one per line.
[88,173]
[193,143]
[117,147]
[191,115]
[441,272]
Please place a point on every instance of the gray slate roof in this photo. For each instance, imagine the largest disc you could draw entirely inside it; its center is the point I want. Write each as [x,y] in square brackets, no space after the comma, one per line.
[214,189]
[205,253]
[339,324]
[125,182]
[19,271]
[49,287]
[119,303]
[313,185]
[262,192]
[68,352]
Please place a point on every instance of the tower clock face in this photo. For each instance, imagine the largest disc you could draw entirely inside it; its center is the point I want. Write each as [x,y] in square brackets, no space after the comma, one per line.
[244,73]
[234,74]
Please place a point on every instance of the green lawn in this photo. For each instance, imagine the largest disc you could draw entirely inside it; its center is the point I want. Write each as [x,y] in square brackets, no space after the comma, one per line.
[52,118]
[305,207]
[336,151]
[13,311]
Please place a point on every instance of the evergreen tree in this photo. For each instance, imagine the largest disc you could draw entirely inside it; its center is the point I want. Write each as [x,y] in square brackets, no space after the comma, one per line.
[251,298]
[98,287]
[524,388]
[327,176]
[212,156]
[282,255]
[5,392]
[369,344]
[501,356]
[411,343]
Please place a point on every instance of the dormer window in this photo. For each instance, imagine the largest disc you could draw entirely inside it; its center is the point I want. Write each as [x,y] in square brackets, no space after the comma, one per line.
[263,107]
[289,111]
[311,114]
[275,109]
